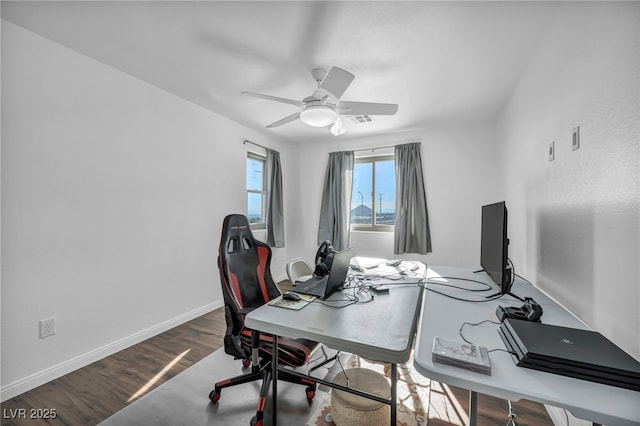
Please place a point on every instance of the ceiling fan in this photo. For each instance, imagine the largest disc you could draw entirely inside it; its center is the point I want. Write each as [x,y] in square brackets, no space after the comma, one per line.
[324,107]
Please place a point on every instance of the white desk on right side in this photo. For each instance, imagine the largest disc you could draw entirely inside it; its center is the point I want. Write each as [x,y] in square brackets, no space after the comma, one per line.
[443,316]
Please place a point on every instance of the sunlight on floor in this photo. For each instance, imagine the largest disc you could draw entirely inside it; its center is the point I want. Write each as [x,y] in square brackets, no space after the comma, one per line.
[157,377]
[443,405]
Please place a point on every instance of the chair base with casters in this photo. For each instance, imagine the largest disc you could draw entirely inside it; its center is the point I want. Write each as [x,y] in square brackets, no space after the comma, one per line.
[261,370]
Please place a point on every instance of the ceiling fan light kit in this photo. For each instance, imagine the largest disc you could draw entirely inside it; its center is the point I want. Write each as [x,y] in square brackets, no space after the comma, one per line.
[322,107]
[318,115]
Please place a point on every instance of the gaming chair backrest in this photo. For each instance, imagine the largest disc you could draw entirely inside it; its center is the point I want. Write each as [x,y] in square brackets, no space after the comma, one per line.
[245,266]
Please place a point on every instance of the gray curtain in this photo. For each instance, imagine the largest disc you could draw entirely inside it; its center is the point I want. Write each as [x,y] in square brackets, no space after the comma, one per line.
[412,234]
[275,215]
[335,211]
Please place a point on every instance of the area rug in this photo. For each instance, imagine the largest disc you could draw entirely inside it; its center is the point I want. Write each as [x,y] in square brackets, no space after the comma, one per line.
[184,400]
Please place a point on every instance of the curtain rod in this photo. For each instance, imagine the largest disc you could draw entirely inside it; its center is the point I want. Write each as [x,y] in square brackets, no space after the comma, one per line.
[373,149]
[246,141]
[381,147]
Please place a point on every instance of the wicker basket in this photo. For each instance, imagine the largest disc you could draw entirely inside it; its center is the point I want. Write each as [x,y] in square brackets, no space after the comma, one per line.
[352,410]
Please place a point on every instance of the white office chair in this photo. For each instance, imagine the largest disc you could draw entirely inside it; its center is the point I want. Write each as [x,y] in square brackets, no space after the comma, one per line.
[299,269]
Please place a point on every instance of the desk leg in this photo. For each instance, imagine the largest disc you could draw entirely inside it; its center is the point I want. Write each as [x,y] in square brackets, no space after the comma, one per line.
[394,393]
[274,378]
[473,408]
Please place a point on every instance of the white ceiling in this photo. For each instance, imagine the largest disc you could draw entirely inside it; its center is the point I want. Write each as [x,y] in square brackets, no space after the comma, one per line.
[440,61]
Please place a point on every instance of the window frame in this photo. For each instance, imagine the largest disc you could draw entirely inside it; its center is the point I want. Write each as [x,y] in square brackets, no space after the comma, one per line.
[373,227]
[263,209]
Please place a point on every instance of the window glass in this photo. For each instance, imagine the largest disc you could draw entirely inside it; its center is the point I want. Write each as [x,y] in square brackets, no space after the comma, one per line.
[255,191]
[254,208]
[361,193]
[255,169]
[374,194]
[385,199]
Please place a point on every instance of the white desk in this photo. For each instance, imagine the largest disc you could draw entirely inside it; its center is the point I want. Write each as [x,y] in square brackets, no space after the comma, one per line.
[381,330]
[442,316]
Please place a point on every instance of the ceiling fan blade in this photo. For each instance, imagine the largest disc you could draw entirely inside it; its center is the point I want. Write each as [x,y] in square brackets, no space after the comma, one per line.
[275,98]
[366,108]
[285,120]
[336,82]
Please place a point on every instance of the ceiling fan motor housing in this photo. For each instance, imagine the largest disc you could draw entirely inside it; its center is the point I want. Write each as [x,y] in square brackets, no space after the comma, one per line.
[318,74]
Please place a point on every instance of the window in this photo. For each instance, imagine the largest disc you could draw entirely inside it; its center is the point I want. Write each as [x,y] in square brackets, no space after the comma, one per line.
[256,193]
[373,199]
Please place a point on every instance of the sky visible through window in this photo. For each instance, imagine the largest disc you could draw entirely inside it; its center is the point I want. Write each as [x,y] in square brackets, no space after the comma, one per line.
[255,180]
[364,202]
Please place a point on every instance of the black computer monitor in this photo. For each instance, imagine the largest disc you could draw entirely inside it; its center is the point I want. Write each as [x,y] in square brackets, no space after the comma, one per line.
[494,245]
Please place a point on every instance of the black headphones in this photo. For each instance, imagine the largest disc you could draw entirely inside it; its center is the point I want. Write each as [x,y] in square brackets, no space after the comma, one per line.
[324,259]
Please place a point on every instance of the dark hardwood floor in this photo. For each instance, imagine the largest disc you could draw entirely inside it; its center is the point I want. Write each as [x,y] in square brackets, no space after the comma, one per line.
[91,394]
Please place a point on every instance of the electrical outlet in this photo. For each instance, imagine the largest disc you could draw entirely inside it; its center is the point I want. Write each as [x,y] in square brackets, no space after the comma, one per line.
[47,327]
[575,139]
[552,151]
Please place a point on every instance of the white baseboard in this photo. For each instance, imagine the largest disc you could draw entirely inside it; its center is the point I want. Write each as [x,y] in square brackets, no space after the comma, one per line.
[281,278]
[30,382]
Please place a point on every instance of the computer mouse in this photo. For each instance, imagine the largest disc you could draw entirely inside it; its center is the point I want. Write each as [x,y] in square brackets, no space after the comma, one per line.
[290,295]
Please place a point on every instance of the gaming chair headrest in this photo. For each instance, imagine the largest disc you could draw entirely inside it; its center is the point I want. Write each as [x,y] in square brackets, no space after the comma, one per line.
[245,264]
[235,229]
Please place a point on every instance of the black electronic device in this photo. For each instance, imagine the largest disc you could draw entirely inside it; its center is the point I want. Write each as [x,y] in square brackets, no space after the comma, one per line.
[325,286]
[530,311]
[290,295]
[324,259]
[494,246]
[379,289]
[572,352]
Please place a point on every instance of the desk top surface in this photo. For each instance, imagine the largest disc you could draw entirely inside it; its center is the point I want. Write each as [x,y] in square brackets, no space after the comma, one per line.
[443,316]
[382,329]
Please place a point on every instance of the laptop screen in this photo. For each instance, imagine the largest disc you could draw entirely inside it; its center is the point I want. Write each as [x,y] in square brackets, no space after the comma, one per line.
[339,269]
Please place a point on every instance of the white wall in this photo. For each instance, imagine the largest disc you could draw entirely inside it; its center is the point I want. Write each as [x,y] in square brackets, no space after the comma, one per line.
[113,194]
[460,171]
[575,222]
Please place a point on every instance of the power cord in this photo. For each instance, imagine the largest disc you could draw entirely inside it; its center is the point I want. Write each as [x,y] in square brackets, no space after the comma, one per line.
[473,324]
[357,296]
[424,285]
[511,419]
[480,323]
[485,286]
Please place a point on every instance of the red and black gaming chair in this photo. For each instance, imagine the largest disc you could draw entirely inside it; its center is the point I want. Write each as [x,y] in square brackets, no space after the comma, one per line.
[245,273]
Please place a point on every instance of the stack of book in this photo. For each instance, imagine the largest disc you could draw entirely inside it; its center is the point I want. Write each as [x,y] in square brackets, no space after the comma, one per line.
[461,354]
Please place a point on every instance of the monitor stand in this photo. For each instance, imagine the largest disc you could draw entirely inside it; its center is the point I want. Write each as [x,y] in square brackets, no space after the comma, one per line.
[499,293]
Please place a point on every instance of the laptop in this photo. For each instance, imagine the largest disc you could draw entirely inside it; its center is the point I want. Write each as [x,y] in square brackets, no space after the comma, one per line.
[582,354]
[325,286]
